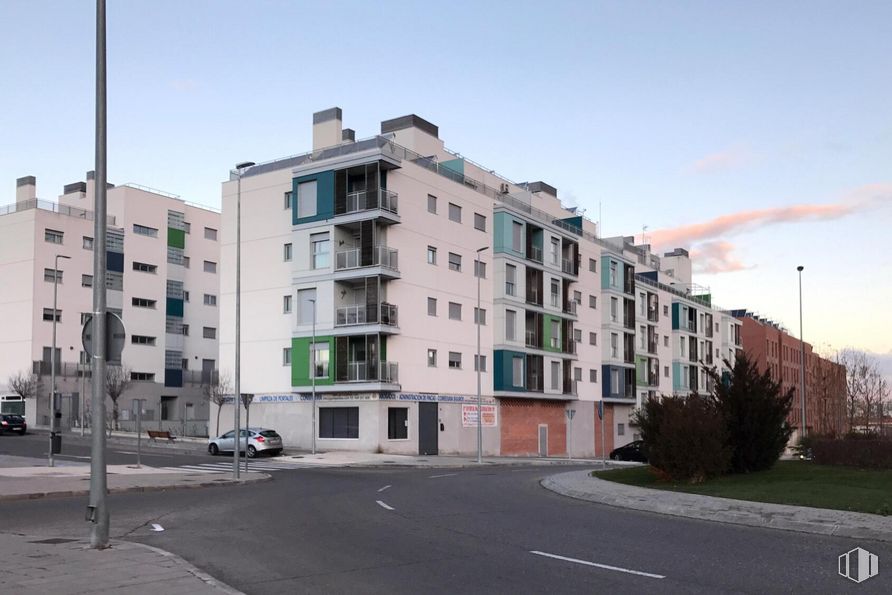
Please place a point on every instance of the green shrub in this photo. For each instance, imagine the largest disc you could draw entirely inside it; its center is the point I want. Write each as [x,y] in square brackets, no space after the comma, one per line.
[684,437]
[861,452]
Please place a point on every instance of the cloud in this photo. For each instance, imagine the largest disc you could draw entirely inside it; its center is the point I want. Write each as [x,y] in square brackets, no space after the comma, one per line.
[861,199]
[716,257]
[727,159]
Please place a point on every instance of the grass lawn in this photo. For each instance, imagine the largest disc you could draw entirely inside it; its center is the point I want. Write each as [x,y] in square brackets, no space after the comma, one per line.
[788,482]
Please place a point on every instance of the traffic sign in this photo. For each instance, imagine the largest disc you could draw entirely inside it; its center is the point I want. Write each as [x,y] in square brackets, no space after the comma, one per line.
[115,337]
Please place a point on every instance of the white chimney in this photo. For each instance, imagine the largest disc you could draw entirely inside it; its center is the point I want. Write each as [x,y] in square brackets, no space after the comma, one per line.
[327,128]
[25,189]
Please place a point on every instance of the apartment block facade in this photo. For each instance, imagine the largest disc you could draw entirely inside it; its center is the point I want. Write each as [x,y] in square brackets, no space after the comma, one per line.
[361,267]
[162,256]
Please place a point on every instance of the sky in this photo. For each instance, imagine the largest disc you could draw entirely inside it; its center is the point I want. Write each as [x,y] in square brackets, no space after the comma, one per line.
[756,134]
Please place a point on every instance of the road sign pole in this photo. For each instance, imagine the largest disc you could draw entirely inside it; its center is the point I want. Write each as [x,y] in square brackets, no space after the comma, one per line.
[138,432]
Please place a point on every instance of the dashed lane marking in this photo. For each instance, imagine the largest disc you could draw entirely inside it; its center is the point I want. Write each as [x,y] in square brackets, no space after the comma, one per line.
[596,565]
[384,505]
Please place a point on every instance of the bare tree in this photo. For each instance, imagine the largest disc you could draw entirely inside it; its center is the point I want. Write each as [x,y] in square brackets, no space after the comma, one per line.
[217,391]
[117,380]
[25,384]
[866,388]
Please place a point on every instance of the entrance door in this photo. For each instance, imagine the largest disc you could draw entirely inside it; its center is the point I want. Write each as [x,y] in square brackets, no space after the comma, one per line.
[543,440]
[428,428]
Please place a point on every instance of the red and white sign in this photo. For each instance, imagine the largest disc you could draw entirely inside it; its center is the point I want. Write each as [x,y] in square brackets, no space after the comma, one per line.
[469,416]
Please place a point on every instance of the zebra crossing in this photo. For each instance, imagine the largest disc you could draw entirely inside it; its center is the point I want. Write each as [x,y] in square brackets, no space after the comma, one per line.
[226,467]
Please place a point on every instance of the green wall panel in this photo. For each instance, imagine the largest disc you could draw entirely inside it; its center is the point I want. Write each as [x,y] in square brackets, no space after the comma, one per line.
[176,238]
[174,308]
[546,333]
[300,361]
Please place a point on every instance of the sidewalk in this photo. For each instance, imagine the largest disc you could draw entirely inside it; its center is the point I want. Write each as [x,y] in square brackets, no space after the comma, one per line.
[370,460]
[37,565]
[182,444]
[839,523]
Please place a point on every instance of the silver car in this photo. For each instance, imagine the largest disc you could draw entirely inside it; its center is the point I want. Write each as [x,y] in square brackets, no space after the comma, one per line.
[259,440]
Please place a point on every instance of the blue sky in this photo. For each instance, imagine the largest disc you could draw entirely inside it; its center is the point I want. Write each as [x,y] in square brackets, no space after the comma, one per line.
[664,114]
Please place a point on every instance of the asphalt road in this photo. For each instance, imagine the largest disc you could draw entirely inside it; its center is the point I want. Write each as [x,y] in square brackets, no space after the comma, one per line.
[451,531]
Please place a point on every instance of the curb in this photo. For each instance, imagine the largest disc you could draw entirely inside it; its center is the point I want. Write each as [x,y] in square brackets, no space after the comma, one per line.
[836,523]
[190,568]
[71,493]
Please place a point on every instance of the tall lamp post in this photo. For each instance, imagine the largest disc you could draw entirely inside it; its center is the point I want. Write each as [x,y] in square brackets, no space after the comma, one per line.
[239,170]
[479,362]
[313,375]
[801,356]
[52,462]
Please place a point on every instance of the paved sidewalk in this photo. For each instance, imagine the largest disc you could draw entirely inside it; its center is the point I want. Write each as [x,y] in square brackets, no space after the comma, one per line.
[37,565]
[372,460]
[581,485]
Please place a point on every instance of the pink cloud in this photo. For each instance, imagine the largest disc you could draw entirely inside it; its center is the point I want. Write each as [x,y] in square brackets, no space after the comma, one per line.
[727,159]
[716,257]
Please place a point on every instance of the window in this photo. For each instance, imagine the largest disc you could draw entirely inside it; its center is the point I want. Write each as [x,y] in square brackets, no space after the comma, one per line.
[187,227]
[431,255]
[517,371]
[210,267]
[286,304]
[454,311]
[186,262]
[142,377]
[614,345]
[642,337]
[210,299]
[482,363]
[454,262]
[592,301]
[455,360]
[593,338]
[592,265]
[665,310]
[286,355]
[319,248]
[431,204]
[555,293]
[517,237]
[306,298]
[480,269]
[431,358]
[666,341]
[592,375]
[397,423]
[86,280]
[319,369]
[666,371]
[185,296]
[612,274]
[577,374]
[184,364]
[510,276]
[145,230]
[52,275]
[642,304]
[48,314]
[454,213]
[510,325]
[480,316]
[144,268]
[210,233]
[555,252]
[479,222]
[52,236]
[143,303]
[287,201]
[577,297]
[306,199]
[431,306]
[88,243]
[614,382]
[286,252]
[209,332]
[577,335]
[620,429]
[142,340]
[186,330]
[555,375]
[339,422]
[614,309]
[682,343]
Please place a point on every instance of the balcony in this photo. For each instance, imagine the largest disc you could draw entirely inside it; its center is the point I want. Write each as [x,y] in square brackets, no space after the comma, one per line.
[555,343]
[567,266]
[535,254]
[534,383]
[555,300]
[356,314]
[653,315]
[652,347]
[361,371]
[569,347]
[63,369]
[532,340]
[571,388]
[365,200]
[533,296]
[382,256]
[570,308]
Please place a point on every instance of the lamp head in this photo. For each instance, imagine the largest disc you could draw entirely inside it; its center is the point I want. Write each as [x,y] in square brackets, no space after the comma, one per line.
[799,268]
[244,164]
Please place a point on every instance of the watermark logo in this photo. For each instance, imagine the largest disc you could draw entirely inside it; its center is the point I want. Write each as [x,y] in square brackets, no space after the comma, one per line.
[858,565]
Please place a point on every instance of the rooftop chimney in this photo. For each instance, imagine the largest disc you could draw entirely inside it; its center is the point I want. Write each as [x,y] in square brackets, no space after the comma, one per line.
[410,121]
[348,135]
[25,189]
[327,128]
[540,186]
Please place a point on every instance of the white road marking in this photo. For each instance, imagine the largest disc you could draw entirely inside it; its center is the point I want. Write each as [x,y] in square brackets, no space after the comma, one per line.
[596,565]
[157,527]
[444,475]
[384,488]
[72,456]
[384,505]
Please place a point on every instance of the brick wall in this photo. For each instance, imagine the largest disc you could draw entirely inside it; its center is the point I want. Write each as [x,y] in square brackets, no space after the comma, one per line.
[520,419]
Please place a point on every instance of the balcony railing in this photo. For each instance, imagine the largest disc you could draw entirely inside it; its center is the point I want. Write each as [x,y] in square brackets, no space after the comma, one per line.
[63,369]
[569,347]
[365,200]
[652,347]
[570,308]
[653,315]
[570,387]
[381,256]
[533,296]
[356,314]
[555,300]
[692,326]
[532,339]
[555,343]
[535,254]
[567,266]
[362,372]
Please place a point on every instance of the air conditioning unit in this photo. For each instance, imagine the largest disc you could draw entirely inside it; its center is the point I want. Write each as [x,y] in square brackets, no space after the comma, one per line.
[503,188]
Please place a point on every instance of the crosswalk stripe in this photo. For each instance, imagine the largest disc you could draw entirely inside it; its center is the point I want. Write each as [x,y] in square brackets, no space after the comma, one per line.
[191,470]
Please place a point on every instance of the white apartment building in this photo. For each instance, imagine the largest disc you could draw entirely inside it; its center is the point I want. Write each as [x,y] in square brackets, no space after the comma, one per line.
[359,284]
[163,257]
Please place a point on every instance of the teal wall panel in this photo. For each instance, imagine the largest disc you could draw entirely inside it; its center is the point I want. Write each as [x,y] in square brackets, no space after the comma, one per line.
[324,197]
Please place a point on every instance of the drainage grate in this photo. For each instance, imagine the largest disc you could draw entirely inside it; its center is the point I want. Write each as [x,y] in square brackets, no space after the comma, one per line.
[54,540]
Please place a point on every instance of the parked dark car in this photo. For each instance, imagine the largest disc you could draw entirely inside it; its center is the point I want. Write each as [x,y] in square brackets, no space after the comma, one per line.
[633,451]
[10,422]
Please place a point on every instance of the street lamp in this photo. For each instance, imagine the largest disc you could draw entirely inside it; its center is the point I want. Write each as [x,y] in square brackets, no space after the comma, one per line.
[479,362]
[52,463]
[313,374]
[239,170]
[801,356]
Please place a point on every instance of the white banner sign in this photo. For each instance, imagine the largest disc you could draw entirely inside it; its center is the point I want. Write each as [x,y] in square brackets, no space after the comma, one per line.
[469,416]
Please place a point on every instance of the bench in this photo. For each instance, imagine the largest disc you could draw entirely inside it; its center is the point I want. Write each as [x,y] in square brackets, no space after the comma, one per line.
[155,434]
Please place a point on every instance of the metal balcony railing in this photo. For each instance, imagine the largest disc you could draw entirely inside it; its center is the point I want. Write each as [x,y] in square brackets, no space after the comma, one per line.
[534,382]
[360,371]
[356,314]
[535,254]
[570,308]
[63,369]
[381,256]
[532,339]
[653,315]
[533,295]
[365,200]
[555,343]
[567,266]
[570,387]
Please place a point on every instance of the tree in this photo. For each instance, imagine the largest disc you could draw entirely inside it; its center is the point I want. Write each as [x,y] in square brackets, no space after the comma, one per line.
[25,384]
[217,391]
[117,380]
[754,412]
[866,388]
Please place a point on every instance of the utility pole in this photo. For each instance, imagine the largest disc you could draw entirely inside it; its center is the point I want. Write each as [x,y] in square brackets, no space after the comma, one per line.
[53,361]
[313,374]
[239,168]
[801,357]
[479,363]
